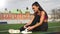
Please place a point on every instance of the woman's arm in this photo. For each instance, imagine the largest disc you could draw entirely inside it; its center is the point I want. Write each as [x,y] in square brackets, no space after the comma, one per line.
[41,20]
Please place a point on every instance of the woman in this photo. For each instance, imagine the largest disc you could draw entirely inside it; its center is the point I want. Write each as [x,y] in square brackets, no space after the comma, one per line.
[40,20]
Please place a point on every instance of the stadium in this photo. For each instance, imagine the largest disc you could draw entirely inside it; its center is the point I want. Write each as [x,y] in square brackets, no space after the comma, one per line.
[14,17]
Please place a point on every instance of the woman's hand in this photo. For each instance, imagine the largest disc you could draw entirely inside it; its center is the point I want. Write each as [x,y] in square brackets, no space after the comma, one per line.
[25,26]
[30,27]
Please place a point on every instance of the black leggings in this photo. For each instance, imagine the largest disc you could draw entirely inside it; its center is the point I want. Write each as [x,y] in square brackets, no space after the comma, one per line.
[43,27]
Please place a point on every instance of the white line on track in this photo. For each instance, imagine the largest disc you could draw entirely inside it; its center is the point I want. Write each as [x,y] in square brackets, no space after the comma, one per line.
[48,27]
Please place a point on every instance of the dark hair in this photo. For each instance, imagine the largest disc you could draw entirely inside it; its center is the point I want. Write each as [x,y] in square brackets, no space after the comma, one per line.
[37,4]
[40,8]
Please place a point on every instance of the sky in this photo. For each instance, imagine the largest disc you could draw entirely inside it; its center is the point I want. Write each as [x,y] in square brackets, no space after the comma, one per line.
[47,5]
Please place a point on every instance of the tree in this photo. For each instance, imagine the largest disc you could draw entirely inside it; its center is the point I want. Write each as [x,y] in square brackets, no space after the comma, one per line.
[55,14]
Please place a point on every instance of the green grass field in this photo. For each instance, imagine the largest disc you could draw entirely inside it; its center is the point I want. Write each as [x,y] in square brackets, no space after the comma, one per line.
[52,27]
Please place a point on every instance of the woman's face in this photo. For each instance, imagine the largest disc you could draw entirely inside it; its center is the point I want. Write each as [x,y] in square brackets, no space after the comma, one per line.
[35,8]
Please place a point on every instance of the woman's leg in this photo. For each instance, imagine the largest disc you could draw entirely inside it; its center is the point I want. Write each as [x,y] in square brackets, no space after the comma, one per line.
[42,28]
[22,28]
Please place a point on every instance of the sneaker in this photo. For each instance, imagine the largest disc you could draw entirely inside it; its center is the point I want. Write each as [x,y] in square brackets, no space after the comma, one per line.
[13,31]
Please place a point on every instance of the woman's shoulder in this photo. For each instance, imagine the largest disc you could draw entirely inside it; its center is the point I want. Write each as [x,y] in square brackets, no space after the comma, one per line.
[42,12]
